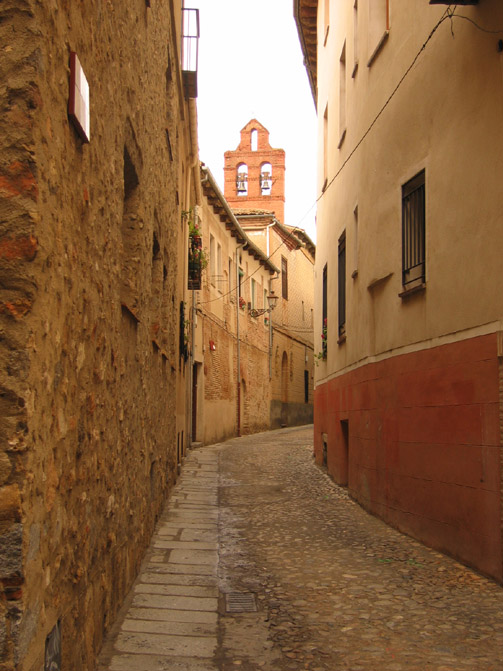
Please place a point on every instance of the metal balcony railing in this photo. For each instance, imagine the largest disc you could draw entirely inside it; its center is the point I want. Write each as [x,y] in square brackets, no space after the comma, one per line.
[190,51]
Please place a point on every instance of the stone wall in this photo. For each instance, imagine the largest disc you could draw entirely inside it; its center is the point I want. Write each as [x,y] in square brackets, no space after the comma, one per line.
[89,323]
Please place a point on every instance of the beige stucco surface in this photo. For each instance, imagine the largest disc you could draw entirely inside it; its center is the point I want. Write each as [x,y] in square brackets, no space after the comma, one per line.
[443,118]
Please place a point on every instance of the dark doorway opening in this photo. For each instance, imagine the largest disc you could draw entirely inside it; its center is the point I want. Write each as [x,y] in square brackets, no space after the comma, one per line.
[344,474]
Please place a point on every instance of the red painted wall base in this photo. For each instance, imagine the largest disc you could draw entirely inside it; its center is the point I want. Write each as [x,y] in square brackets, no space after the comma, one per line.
[417,440]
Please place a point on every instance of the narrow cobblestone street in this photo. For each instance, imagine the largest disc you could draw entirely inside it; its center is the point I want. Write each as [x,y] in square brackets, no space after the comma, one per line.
[254,525]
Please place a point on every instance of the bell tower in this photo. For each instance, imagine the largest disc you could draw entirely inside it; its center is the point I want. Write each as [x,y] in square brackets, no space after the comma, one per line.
[254,173]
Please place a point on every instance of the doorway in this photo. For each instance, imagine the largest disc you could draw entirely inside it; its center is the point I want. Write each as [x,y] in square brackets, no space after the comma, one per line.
[344,453]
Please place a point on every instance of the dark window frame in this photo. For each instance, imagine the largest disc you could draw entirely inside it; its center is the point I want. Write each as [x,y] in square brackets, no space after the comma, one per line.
[341,285]
[414,231]
[324,312]
[284,277]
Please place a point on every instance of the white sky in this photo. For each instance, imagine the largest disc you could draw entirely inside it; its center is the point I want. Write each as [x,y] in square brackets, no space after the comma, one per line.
[251,66]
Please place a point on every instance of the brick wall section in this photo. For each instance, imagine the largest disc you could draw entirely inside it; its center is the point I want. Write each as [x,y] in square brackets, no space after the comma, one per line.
[254,159]
[87,413]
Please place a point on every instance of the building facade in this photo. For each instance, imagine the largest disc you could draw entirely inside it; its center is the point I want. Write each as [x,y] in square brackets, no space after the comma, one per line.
[254,175]
[231,346]
[98,160]
[408,393]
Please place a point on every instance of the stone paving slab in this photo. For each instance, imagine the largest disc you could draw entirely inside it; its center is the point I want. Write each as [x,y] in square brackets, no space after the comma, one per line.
[198,535]
[208,557]
[195,526]
[172,628]
[184,545]
[175,602]
[126,662]
[176,590]
[178,579]
[171,615]
[159,564]
[165,644]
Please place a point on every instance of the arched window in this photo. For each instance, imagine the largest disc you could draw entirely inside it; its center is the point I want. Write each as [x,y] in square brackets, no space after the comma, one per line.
[242,180]
[254,140]
[265,179]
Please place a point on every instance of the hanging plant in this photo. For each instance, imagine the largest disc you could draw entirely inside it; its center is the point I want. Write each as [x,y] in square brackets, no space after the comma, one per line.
[324,344]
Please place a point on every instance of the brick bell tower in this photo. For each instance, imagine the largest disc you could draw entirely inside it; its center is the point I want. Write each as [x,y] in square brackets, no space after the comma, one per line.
[254,174]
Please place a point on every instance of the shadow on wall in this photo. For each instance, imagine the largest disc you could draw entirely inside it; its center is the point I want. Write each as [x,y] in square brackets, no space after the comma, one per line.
[290,414]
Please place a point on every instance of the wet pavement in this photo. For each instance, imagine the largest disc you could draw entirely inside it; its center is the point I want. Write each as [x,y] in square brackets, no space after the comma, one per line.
[261,562]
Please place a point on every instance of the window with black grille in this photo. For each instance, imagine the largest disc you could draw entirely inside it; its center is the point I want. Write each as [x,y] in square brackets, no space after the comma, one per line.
[324,312]
[413,232]
[341,255]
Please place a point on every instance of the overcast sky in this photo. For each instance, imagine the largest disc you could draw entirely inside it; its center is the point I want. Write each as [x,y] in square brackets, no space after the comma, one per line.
[251,66]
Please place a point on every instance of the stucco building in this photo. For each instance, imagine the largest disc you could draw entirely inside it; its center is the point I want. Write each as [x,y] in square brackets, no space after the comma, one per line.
[408,394]
[98,160]
[254,186]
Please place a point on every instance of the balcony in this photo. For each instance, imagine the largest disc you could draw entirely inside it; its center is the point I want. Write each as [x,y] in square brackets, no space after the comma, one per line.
[190,51]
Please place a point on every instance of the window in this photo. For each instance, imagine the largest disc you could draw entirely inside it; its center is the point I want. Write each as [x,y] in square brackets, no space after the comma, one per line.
[355,243]
[413,232]
[324,314]
[355,38]
[242,180]
[378,27]
[265,179]
[254,140]
[325,148]
[212,259]
[326,20]
[231,274]
[240,286]
[341,276]
[284,277]
[342,96]
[219,266]
[306,386]
[253,293]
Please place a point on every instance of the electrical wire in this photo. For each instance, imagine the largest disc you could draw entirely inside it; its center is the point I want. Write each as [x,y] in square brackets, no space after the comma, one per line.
[448,14]
[248,277]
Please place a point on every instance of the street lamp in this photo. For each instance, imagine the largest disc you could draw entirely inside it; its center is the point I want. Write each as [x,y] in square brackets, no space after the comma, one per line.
[272,299]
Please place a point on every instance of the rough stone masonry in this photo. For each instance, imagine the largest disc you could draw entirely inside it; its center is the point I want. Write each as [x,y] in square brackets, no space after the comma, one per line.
[88,290]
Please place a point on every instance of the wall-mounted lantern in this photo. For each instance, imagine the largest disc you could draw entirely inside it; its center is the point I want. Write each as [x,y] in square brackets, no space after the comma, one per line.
[272,299]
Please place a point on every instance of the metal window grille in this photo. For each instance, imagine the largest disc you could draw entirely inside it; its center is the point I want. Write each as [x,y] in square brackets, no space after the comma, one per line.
[413,231]
[324,311]
[342,284]
[190,51]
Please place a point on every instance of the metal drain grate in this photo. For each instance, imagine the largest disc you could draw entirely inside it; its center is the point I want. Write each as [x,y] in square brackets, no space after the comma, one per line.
[240,602]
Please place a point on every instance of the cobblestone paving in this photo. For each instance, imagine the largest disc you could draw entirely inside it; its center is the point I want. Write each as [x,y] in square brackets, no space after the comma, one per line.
[337,588]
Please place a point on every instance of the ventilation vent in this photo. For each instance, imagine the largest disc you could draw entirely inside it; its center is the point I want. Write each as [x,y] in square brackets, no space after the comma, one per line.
[240,602]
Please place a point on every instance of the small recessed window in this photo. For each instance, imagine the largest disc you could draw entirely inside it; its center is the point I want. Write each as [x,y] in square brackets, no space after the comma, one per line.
[284,277]
[341,276]
[254,140]
[413,232]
